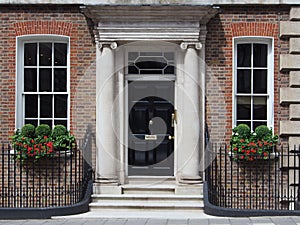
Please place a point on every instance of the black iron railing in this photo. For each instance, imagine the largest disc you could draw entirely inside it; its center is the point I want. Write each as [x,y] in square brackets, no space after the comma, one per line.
[49,182]
[269,183]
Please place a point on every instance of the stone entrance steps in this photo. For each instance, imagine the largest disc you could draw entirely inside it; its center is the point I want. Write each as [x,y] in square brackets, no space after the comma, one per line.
[159,198]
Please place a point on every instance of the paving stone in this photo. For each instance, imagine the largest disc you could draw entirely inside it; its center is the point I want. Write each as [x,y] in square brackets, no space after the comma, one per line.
[136,221]
[156,222]
[219,221]
[283,221]
[239,221]
[12,222]
[198,222]
[177,222]
[115,222]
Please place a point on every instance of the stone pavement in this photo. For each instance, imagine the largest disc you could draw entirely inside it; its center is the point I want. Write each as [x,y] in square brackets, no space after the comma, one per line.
[145,221]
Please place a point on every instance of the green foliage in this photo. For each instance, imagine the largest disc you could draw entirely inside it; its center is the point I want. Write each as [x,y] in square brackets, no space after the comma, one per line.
[28,130]
[250,145]
[40,144]
[262,131]
[43,130]
[243,130]
[59,130]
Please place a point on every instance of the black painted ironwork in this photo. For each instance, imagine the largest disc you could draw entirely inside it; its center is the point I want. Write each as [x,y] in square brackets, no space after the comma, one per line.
[56,181]
[272,183]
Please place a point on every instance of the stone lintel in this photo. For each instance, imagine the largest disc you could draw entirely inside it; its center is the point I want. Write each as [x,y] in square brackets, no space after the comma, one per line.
[289,62]
[290,128]
[289,95]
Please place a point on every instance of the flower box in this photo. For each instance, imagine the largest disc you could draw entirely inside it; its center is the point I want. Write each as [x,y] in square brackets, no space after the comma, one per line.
[251,146]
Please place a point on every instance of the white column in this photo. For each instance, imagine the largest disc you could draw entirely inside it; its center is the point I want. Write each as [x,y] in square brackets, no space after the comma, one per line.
[189,121]
[106,156]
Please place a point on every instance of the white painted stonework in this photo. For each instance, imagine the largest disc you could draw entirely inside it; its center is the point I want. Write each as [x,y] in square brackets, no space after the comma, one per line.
[187,38]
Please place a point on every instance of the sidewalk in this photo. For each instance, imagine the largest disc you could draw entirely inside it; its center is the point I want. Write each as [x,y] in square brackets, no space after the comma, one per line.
[149,221]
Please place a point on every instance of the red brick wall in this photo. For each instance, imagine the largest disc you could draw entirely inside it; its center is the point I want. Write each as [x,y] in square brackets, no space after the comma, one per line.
[46,19]
[229,23]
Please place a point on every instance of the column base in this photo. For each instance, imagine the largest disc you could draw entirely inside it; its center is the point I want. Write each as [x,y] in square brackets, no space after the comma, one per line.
[186,180]
[112,181]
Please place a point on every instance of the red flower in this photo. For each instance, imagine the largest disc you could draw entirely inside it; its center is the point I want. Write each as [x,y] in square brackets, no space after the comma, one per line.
[32,141]
[45,137]
[242,140]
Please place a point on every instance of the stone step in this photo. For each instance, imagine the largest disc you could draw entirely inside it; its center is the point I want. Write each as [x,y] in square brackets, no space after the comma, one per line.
[147,201]
[149,189]
[139,197]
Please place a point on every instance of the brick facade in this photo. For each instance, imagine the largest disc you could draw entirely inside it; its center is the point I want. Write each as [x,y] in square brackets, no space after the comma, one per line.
[58,20]
[69,21]
[229,23]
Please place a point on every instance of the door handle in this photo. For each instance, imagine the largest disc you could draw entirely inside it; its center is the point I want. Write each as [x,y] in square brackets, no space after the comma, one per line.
[171,137]
[174,118]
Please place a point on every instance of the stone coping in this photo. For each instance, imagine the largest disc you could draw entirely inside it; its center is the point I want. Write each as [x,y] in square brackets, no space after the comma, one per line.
[153,2]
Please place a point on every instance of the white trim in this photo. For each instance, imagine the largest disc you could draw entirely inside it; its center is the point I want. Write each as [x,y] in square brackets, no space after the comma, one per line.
[39,38]
[270,75]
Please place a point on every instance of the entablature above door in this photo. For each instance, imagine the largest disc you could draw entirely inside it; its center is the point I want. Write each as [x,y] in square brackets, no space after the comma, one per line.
[143,23]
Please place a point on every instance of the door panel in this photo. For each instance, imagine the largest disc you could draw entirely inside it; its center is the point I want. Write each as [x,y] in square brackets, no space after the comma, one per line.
[150,151]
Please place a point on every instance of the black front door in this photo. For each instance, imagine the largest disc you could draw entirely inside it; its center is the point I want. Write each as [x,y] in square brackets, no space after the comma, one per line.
[151,128]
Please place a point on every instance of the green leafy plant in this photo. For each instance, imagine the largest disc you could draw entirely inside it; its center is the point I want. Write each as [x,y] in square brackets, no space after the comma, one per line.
[41,142]
[43,130]
[247,145]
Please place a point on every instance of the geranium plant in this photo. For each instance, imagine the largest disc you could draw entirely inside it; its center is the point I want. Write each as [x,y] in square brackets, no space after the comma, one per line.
[40,142]
[247,145]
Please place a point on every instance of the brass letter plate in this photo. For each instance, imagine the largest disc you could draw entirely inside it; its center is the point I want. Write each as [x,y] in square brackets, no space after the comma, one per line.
[150,137]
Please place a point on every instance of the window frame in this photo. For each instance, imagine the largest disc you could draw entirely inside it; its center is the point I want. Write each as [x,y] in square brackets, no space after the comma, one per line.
[270,77]
[20,102]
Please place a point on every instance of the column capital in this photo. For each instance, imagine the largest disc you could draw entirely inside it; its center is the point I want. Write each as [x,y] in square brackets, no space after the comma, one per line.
[109,44]
[197,45]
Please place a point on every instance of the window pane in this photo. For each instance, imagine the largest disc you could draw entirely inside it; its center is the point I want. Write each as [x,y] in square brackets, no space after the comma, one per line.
[243,81]
[30,52]
[132,70]
[243,108]
[30,79]
[256,124]
[260,81]
[45,54]
[61,122]
[45,83]
[46,106]
[60,54]
[244,55]
[60,106]
[48,122]
[31,106]
[33,122]
[132,55]
[260,55]
[260,108]
[60,80]
[169,70]
[244,122]
[169,55]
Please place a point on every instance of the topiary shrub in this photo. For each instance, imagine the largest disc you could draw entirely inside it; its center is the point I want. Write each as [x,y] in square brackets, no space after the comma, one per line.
[59,130]
[43,130]
[28,130]
[243,130]
[262,131]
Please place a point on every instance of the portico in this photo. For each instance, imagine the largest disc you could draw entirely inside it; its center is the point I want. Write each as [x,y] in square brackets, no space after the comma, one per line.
[169,71]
